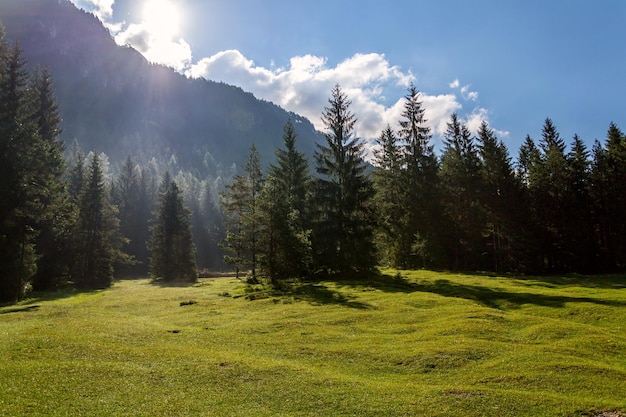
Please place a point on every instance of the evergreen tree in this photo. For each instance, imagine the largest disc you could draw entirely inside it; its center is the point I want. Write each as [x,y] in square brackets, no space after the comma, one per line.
[18,147]
[33,214]
[420,237]
[171,244]
[285,238]
[99,242]
[579,211]
[343,238]
[608,180]
[388,183]
[549,191]
[500,199]
[54,226]
[126,196]
[234,201]
[243,217]
[461,184]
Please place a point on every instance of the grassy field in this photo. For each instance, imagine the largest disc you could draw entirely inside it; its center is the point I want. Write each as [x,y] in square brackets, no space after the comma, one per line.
[418,343]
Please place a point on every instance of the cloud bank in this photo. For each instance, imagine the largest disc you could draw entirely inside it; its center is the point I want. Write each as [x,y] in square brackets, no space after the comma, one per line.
[304,85]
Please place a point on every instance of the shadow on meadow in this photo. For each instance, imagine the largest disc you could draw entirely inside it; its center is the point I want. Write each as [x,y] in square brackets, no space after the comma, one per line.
[502,299]
[498,298]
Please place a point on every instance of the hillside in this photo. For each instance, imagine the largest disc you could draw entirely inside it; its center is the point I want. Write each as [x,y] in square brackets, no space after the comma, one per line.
[112,100]
[420,344]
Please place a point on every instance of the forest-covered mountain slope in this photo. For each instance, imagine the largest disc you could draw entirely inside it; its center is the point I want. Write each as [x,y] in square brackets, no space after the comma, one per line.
[113,100]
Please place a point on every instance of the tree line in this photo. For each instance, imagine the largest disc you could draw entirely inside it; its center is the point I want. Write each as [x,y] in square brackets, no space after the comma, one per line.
[66,224]
[473,208]
[71,222]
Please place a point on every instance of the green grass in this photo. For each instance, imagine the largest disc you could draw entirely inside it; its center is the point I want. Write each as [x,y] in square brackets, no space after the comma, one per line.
[419,344]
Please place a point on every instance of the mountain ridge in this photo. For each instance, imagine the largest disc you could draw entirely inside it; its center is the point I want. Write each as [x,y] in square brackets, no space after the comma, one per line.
[113,100]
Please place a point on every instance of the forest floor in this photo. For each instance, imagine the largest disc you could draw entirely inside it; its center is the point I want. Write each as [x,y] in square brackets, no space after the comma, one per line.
[414,343]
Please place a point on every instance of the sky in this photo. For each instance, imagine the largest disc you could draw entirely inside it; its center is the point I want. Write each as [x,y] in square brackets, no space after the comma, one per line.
[511,63]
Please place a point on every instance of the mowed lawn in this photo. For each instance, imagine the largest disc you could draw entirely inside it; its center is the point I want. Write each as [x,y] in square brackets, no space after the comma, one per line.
[414,343]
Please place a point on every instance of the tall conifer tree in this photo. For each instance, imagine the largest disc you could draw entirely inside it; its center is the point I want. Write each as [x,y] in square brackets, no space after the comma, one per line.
[172,252]
[343,233]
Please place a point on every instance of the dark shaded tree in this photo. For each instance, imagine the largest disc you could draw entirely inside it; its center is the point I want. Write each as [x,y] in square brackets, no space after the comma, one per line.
[98,240]
[285,237]
[343,236]
[391,214]
[608,181]
[420,238]
[501,200]
[172,252]
[461,185]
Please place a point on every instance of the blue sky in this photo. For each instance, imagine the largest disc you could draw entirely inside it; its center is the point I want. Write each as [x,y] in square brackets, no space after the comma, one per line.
[512,63]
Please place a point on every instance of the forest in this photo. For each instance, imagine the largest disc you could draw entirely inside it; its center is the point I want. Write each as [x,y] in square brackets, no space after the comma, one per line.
[68,218]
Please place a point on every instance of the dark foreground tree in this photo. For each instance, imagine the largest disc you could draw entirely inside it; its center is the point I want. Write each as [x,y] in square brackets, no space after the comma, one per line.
[420,235]
[388,183]
[33,213]
[98,240]
[171,244]
[343,233]
[285,235]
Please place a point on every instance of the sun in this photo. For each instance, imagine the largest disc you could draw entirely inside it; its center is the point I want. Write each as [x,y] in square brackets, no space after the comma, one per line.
[161,18]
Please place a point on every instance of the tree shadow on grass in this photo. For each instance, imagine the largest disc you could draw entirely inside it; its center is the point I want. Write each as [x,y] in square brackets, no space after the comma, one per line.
[503,300]
[490,297]
[612,281]
[320,294]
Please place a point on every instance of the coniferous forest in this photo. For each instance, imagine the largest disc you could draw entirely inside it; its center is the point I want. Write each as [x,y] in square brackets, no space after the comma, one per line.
[69,218]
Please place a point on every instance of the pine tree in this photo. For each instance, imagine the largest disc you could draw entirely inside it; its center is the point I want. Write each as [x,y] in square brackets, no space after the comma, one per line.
[388,177]
[55,223]
[461,183]
[98,241]
[579,212]
[285,236]
[33,214]
[549,192]
[171,244]
[343,237]
[240,202]
[500,198]
[420,237]
[126,196]
[608,181]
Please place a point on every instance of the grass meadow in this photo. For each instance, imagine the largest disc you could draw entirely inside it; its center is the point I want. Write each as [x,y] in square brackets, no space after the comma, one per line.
[408,343]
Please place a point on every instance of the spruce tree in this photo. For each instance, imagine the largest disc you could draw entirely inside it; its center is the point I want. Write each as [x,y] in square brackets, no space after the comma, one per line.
[172,252]
[579,210]
[500,198]
[241,202]
[285,235]
[420,237]
[54,226]
[388,184]
[461,184]
[127,196]
[33,214]
[343,230]
[98,241]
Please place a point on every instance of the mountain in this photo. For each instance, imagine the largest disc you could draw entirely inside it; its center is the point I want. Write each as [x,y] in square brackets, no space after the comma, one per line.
[113,100]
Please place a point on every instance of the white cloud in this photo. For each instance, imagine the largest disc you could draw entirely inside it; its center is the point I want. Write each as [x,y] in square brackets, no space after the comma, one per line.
[155,42]
[103,9]
[467,94]
[169,52]
[304,87]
